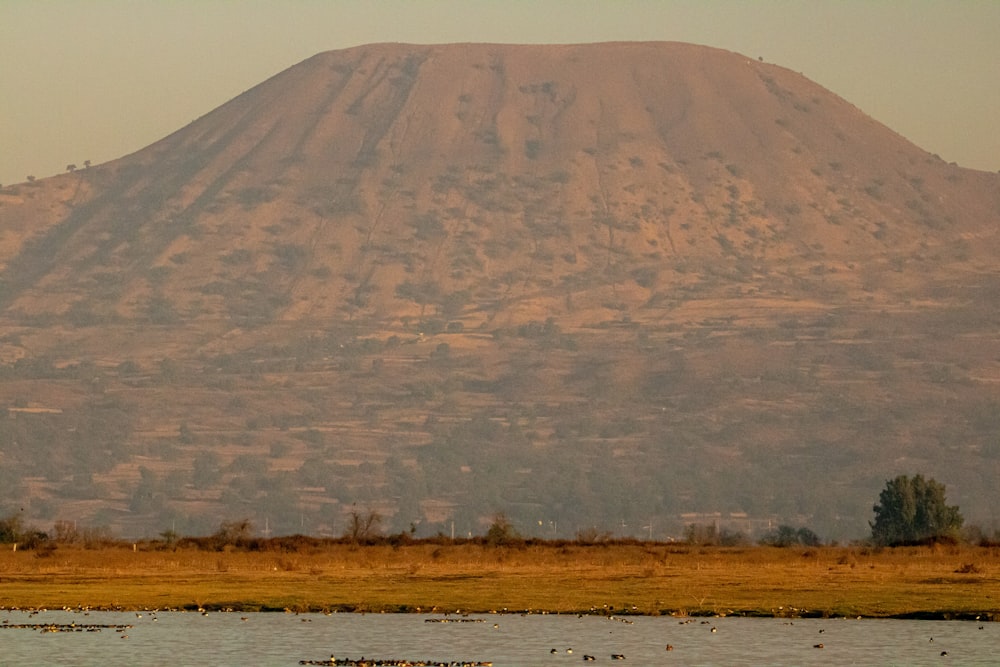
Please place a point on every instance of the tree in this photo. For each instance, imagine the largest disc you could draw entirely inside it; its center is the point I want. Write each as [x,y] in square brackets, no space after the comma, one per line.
[11,529]
[205,470]
[787,536]
[233,533]
[145,492]
[913,510]
[502,533]
[363,528]
[423,293]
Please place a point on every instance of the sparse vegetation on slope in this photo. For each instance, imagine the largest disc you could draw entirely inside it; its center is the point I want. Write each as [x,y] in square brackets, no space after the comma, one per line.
[624,287]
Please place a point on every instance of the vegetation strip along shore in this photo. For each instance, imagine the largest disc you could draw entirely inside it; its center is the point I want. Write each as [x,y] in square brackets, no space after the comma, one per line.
[940,581]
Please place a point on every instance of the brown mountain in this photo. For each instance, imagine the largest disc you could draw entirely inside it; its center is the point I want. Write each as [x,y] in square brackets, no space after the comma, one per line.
[629,284]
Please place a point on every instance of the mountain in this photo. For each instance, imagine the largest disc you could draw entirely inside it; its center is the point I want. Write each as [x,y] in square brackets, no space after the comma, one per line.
[622,286]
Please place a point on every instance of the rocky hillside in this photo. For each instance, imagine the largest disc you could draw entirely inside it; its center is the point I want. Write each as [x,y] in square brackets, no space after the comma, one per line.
[623,286]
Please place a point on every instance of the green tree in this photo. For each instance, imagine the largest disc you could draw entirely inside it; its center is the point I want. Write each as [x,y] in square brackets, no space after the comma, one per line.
[912,510]
[787,536]
[11,528]
[502,533]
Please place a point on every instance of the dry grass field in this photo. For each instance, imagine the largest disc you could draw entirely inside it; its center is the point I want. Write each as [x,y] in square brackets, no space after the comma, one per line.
[934,582]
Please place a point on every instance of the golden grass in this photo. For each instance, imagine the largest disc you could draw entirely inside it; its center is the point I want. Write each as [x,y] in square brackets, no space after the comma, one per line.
[646,579]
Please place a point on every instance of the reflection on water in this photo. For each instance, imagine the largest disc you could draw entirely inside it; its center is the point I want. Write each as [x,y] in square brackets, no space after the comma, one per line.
[219,638]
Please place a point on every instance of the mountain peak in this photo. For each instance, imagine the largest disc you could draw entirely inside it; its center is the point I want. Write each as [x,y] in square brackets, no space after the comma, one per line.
[636,254]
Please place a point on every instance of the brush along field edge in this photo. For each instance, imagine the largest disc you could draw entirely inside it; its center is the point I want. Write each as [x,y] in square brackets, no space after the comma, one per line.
[933,582]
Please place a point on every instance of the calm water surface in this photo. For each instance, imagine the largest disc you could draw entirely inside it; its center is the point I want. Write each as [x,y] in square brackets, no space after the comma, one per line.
[220,638]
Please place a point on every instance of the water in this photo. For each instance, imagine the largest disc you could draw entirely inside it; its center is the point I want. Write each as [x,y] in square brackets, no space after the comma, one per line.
[220,638]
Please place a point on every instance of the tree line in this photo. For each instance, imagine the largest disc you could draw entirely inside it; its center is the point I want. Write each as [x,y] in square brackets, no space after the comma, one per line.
[910,511]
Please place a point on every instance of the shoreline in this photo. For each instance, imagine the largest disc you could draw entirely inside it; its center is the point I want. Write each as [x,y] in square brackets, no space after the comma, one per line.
[989,616]
[985,616]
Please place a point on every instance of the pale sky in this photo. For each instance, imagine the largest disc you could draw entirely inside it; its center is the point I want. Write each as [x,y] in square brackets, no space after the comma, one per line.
[98,79]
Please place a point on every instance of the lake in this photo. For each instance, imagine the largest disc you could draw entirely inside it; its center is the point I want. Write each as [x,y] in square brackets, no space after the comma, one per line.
[506,640]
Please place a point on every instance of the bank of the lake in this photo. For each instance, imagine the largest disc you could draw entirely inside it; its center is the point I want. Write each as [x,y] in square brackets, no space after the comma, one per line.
[649,579]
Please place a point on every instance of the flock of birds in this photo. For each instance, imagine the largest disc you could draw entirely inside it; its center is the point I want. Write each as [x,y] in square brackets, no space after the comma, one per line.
[395,662]
[122,630]
[589,658]
[392,662]
[49,628]
[64,627]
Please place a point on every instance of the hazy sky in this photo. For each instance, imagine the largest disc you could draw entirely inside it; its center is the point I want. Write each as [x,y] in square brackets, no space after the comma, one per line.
[98,79]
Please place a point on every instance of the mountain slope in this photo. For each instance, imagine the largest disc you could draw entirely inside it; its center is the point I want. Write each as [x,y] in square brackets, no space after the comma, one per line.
[545,274]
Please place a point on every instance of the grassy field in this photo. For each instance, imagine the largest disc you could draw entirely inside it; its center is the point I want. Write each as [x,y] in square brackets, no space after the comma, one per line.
[939,582]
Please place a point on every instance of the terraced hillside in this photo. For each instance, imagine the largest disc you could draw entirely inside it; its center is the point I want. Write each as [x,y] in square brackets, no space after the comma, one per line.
[623,286]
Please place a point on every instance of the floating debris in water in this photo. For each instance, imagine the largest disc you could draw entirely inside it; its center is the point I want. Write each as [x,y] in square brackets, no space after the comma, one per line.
[395,662]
